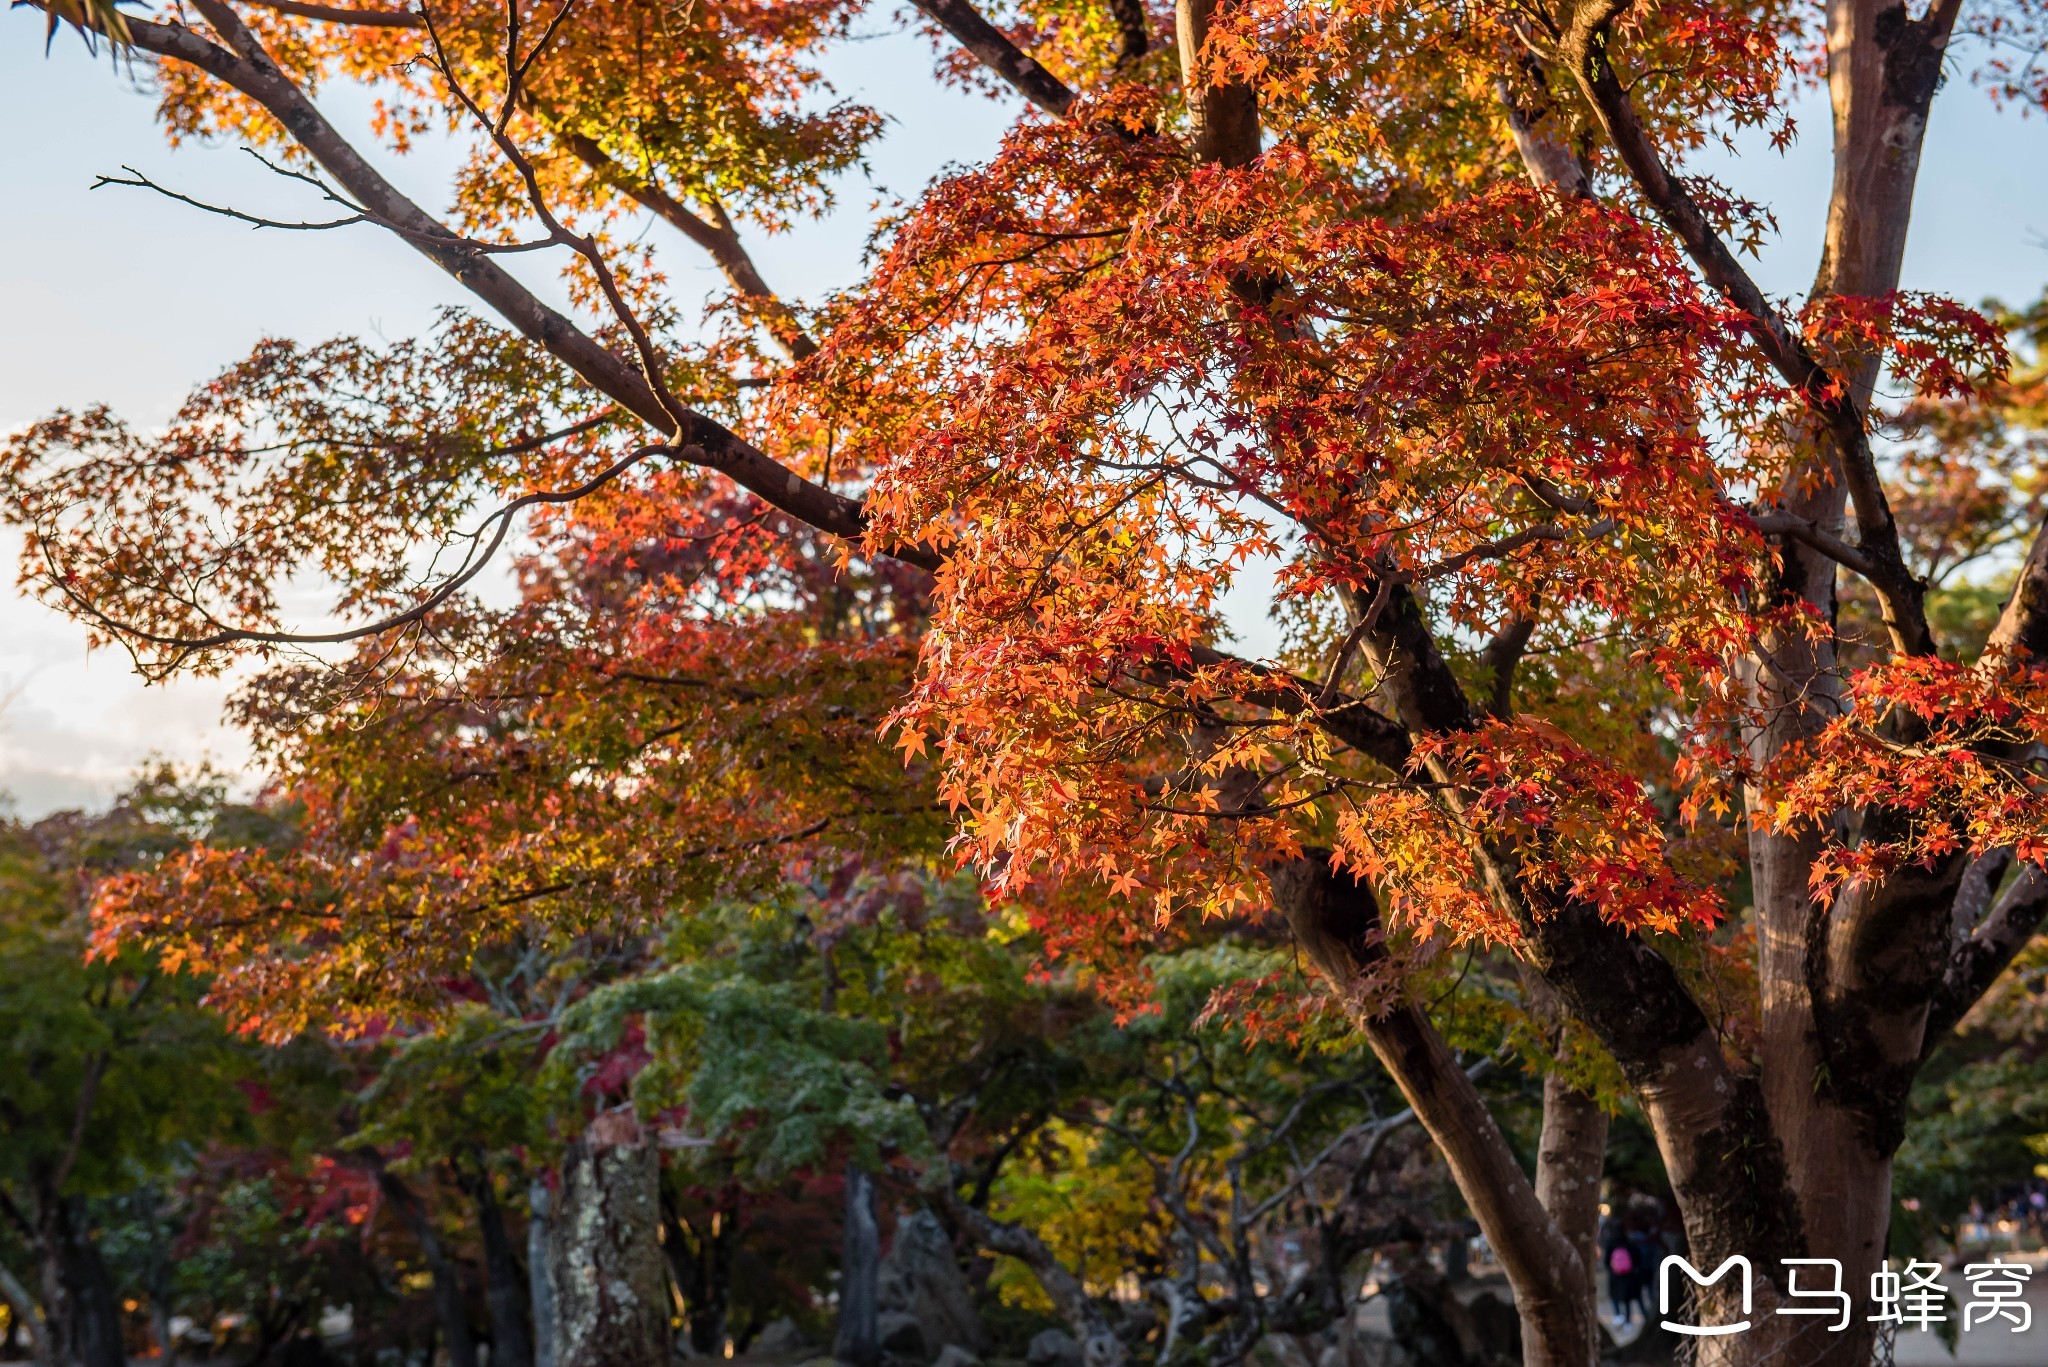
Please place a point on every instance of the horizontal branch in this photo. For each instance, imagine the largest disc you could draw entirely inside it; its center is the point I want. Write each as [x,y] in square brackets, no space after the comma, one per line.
[342,14]
[1807,533]
[472,565]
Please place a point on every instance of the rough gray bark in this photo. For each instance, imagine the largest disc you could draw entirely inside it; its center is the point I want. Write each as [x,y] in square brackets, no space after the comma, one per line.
[1570,1158]
[610,1287]
[539,1278]
[858,1339]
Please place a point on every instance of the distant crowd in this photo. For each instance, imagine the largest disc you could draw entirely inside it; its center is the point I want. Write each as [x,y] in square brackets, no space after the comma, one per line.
[1636,1235]
[2020,1217]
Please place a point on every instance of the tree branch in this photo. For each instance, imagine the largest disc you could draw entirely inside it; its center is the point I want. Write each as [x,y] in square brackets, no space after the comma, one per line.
[88,1094]
[1614,982]
[340,14]
[1336,921]
[27,1314]
[995,51]
[1549,163]
[250,70]
[2020,636]
[1101,1346]
[717,238]
[472,565]
[1803,530]
[1975,963]
[1826,395]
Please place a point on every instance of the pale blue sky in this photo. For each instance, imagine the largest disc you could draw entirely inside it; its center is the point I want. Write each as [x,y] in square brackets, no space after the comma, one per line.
[121,297]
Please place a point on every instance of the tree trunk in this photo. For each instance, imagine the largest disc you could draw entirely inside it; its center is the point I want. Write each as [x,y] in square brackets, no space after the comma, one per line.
[539,1279]
[1335,921]
[1570,1159]
[1843,1026]
[1225,114]
[504,1280]
[610,1289]
[451,1311]
[82,1317]
[858,1339]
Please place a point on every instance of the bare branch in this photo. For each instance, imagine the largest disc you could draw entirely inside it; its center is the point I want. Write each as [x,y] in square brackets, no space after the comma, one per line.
[1373,1132]
[137,180]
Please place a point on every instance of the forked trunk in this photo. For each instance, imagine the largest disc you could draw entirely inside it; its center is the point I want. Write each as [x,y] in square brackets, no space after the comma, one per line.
[1844,989]
[1335,921]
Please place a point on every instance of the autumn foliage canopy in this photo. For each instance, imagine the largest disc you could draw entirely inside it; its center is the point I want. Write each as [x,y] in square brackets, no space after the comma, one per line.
[1449,363]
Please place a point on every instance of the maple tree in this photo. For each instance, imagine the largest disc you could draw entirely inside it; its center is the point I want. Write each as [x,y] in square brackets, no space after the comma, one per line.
[1618,637]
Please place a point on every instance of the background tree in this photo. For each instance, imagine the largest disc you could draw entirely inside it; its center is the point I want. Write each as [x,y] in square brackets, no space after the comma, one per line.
[113,1069]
